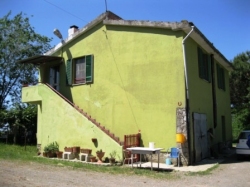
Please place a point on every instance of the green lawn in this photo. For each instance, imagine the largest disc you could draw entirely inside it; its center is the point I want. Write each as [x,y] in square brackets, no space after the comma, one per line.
[29,154]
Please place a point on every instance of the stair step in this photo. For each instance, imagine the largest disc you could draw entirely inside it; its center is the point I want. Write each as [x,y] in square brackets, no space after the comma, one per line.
[103,128]
[112,135]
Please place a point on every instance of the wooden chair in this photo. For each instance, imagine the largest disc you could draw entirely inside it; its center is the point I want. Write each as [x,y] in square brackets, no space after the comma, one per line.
[127,157]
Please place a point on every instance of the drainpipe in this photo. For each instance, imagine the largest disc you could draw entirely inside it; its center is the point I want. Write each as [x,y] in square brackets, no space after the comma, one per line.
[187,94]
[185,61]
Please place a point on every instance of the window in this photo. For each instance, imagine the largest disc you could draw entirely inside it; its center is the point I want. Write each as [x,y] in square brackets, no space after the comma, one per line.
[220,77]
[204,62]
[80,70]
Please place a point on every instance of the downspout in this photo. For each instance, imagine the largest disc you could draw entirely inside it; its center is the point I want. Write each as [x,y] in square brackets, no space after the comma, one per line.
[187,94]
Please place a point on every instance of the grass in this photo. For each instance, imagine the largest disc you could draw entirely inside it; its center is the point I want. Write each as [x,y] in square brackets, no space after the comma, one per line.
[202,173]
[29,154]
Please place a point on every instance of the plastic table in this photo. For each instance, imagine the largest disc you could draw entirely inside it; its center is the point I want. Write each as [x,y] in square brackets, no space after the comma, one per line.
[145,150]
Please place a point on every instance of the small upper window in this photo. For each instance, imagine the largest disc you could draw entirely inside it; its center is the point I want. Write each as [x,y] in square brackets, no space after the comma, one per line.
[204,62]
[80,70]
[220,77]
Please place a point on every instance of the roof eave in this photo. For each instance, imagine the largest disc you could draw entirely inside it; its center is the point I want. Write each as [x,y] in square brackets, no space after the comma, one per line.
[209,47]
[74,36]
[41,59]
[86,28]
[175,26]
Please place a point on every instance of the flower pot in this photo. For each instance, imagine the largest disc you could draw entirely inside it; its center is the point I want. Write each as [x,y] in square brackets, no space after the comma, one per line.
[44,154]
[51,154]
[76,149]
[99,156]
[87,151]
[93,159]
[68,149]
[59,154]
[112,160]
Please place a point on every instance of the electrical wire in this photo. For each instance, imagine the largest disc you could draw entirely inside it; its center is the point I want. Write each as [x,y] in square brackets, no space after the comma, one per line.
[114,60]
[65,11]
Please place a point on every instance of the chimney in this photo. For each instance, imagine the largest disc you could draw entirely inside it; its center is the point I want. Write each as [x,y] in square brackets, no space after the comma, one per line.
[72,30]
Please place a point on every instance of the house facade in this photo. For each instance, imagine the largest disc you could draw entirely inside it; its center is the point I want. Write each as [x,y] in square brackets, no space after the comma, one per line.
[116,77]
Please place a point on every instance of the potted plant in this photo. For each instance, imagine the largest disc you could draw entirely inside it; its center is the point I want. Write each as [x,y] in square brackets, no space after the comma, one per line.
[45,151]
[52,149]
[99,155]
[112,157]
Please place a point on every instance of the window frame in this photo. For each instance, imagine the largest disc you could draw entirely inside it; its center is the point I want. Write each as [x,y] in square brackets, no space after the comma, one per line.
[204,64]
[220,77]
[71,70]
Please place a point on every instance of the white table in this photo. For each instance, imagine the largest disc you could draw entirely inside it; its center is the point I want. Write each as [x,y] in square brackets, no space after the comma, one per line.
[144,150]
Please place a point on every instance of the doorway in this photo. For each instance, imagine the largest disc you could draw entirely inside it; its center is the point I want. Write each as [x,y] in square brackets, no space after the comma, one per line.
[54,77]
[200,136]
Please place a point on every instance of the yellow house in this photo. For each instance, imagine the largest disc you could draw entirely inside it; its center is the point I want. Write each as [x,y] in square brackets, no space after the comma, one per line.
[117,77]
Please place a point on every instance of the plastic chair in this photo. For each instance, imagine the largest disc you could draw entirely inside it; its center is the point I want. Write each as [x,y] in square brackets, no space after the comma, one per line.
[127,156]
[175,154]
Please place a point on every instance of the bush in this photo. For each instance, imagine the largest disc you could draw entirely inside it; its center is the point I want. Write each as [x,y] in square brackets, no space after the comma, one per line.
[52,147]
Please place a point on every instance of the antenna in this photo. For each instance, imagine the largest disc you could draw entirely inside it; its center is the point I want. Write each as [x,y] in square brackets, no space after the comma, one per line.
[106,5]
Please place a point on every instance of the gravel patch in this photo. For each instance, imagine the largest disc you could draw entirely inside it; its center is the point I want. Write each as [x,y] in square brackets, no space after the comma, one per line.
[230,173]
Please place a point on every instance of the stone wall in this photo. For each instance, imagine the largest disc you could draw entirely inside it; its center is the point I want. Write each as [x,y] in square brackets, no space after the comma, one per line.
[181,127]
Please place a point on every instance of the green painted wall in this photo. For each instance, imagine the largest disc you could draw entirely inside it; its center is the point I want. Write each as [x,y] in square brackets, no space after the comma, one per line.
[59,121]
[201,100]
[224,109]
[138,80]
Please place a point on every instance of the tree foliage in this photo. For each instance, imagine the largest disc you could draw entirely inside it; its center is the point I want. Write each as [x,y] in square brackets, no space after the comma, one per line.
[240,92]
[240,81]
[18,40]
[20,119]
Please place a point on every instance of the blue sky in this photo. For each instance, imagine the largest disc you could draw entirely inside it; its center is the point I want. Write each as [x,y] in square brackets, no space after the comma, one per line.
[224,22]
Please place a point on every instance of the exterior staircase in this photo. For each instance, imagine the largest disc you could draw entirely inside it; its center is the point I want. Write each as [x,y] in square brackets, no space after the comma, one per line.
[107,131]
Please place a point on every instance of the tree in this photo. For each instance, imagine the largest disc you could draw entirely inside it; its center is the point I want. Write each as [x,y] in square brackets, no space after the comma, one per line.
[240,92]
[21,121]
[240,81]
[18,40]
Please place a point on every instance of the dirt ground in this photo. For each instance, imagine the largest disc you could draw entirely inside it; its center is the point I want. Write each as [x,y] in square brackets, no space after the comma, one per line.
[230,173]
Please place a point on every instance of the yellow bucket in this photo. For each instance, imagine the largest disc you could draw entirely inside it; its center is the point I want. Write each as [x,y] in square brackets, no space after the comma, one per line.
[180,138]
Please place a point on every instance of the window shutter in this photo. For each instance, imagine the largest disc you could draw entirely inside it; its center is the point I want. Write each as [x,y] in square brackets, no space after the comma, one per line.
[200,62]
[218,75]
[89,68]
[223,79]
[69,71]
[209,68]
